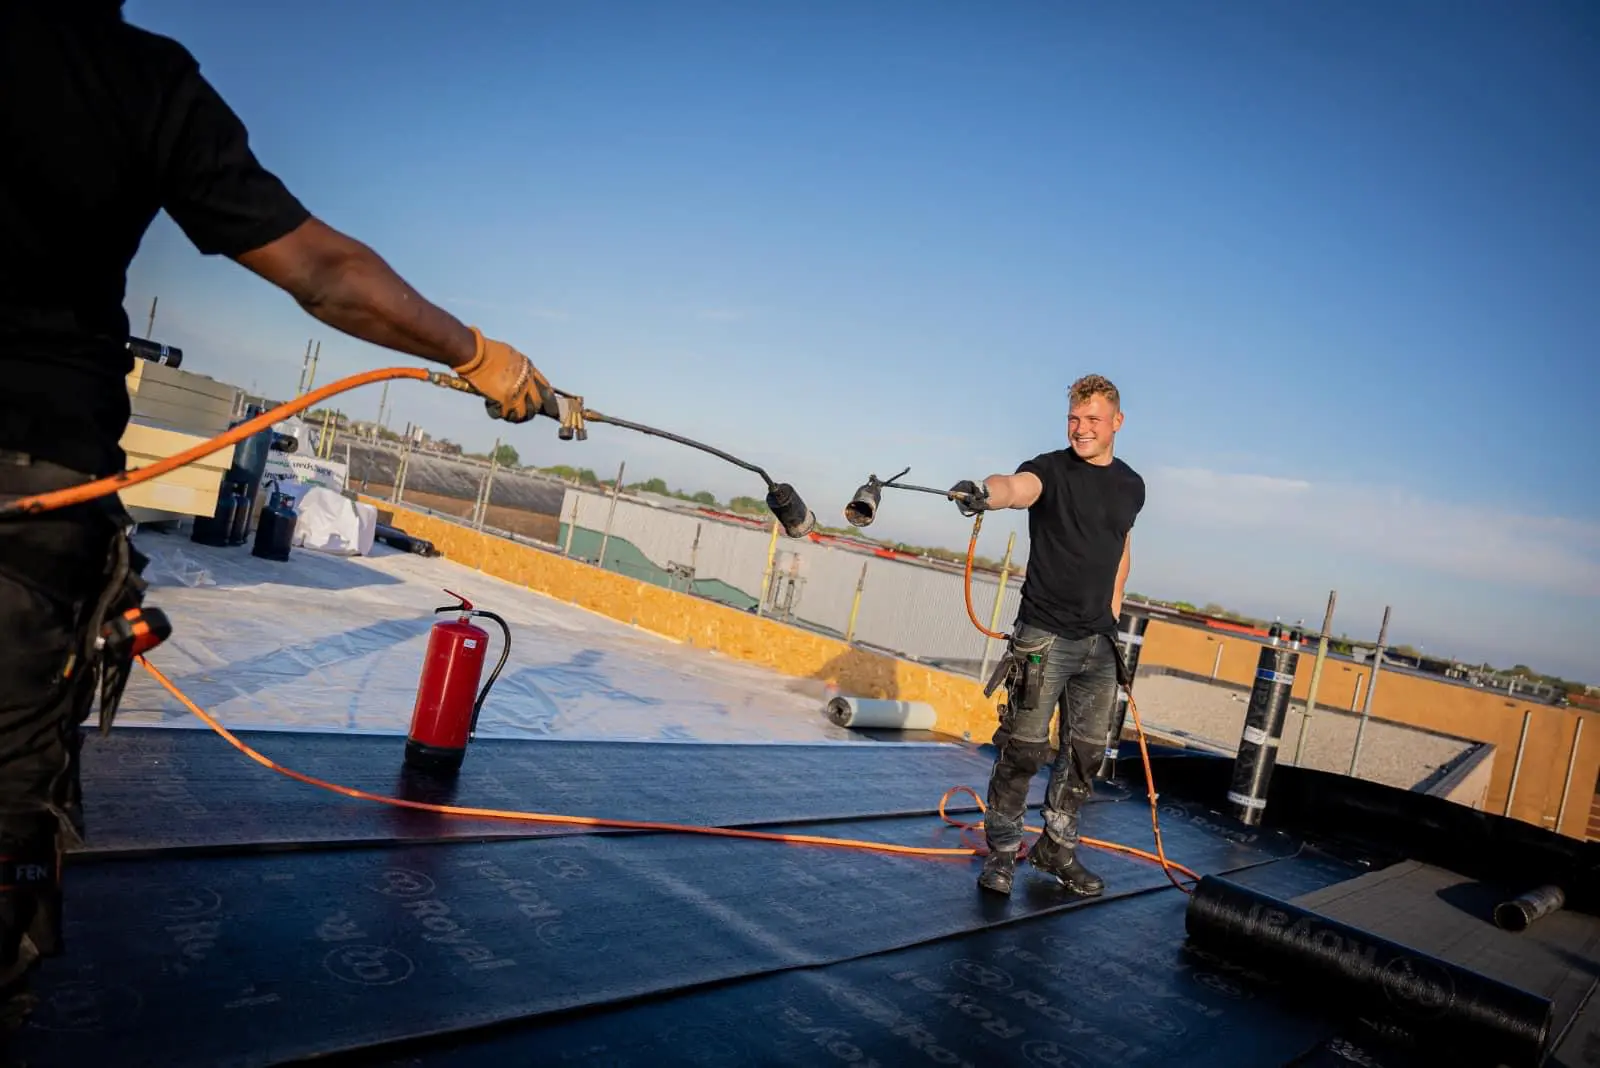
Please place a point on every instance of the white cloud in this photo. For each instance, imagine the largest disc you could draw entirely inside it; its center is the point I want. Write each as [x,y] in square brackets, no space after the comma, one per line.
[1395,525]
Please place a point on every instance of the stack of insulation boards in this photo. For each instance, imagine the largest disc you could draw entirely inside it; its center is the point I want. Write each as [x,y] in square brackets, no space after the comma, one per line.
[175,410]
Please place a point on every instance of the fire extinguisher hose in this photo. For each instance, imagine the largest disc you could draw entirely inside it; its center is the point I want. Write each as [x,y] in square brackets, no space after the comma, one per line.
[505,654]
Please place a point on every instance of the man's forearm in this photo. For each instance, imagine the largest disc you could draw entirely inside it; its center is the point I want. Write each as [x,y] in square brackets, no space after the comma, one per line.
[1001,492]
[345,284]
[365,298]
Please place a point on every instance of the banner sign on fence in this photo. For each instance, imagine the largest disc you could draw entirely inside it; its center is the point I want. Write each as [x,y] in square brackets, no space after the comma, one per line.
[296,468]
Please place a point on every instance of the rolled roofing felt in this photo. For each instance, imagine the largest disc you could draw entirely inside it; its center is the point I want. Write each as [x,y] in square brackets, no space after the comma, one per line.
[1519,912]
[879,712]
[1454,1013]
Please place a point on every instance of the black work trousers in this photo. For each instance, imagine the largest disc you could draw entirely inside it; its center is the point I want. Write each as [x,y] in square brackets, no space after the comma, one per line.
[1080,682]
[56,569]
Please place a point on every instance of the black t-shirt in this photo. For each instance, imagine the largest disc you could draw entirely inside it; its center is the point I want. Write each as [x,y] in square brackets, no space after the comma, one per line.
[101,126]
[1076,531]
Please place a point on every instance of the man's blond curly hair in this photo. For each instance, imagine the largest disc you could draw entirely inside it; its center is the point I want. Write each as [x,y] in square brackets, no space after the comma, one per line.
[1091,385]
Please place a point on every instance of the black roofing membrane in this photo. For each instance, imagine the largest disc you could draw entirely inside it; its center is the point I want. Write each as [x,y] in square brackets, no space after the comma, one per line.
[164,788]
[255,959]
[217,942]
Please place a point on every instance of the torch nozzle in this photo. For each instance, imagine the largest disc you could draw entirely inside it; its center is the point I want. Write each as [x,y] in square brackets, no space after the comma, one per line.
[791,512]
[863,507]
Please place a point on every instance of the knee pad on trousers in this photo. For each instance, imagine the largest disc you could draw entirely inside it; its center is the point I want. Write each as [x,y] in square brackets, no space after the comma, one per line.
[1026,756]
[1065,793]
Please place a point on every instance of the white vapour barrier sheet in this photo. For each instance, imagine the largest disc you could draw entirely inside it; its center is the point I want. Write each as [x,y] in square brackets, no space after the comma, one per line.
[326,642]
[330,522]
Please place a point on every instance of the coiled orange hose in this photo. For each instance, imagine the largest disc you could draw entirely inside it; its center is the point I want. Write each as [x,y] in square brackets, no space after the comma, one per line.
[73,495]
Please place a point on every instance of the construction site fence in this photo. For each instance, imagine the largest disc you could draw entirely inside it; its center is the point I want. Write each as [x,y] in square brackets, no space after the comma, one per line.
[913,609]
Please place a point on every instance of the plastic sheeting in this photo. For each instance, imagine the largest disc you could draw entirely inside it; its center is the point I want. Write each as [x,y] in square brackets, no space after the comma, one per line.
[337,643]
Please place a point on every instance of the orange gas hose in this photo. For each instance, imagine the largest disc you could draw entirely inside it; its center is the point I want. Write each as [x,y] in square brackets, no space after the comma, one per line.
[74,495]
[629,825]
[88,491]
[972,550]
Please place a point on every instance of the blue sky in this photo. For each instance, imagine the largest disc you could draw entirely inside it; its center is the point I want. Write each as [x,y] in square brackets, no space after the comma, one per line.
[1341,260]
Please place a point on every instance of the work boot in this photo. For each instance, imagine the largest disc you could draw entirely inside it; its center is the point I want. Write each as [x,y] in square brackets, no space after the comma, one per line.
[1053,858]
[998,868]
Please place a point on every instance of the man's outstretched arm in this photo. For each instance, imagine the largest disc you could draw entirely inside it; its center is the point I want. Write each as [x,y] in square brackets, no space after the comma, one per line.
[228,204]
[345,284]
[1020,490]
[341,282]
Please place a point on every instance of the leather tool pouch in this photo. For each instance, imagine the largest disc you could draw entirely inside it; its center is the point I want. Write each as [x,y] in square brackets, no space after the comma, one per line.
[124,590]
[1019,672]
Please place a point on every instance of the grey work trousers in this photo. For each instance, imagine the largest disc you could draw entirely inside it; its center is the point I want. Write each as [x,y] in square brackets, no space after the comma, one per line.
[1080,681]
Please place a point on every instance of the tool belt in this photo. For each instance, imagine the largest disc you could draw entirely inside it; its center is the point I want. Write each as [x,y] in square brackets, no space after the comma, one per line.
[111,626]
[1020,671]
[119,627]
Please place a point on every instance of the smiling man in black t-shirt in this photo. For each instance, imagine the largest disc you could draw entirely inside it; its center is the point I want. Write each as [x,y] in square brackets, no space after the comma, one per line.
[1082,502]
[102,125]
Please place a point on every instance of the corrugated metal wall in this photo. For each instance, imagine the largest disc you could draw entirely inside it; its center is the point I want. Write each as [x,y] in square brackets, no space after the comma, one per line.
[913,610]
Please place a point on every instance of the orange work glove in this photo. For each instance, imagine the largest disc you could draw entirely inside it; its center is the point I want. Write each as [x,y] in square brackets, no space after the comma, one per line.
[513,389]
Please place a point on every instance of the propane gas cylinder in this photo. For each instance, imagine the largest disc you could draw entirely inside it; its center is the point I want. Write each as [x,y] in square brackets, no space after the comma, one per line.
[275,530]
[445,716]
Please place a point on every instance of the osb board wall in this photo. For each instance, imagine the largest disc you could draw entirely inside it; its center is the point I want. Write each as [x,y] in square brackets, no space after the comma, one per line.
[958,702]
[1451,709]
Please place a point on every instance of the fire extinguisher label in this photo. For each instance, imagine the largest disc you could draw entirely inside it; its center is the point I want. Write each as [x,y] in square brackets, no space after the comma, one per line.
[470,643]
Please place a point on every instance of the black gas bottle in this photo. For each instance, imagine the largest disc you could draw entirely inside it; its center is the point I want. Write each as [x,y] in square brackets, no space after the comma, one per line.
[275,529]
[214,529]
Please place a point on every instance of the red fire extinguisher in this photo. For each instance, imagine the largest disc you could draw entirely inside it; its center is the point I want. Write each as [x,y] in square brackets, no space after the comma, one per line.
[445,717]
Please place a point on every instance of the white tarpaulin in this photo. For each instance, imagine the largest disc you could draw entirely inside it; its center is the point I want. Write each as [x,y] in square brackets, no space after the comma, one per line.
[332,523]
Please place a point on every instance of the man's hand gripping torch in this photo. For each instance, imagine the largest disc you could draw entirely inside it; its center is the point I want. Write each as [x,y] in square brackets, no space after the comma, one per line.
[970,497]
[791,512]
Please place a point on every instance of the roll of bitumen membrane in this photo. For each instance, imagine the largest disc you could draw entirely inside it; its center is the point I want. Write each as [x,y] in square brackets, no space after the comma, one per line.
[1519,912]
[876,712]
[1263,729]
[1456,1015]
